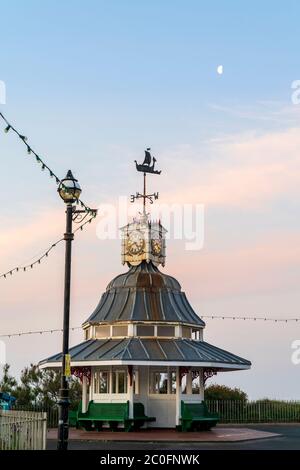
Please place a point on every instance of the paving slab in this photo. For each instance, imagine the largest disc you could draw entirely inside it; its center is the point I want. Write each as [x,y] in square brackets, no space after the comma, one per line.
[218,434]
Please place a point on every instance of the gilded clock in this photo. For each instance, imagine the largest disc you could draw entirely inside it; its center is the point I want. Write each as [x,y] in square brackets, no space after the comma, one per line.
[156,245]
[135,243]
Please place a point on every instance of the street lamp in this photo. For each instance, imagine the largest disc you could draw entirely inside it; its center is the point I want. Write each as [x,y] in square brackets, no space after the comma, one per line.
[69,190]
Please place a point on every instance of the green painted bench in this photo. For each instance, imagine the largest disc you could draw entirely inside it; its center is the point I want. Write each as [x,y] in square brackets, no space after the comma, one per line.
[112,413]
[197,416]
[72,418]
[139,417]
[99,413]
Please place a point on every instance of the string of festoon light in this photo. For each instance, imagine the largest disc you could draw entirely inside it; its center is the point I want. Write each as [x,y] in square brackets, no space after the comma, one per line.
[275,320]
[212,317]
[44,167]
[24,268]
[38,332]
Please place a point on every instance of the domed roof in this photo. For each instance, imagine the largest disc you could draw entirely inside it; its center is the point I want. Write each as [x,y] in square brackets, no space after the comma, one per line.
[144,293]
[144,275]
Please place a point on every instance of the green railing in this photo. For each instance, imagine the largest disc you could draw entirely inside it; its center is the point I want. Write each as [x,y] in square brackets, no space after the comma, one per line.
[262,411]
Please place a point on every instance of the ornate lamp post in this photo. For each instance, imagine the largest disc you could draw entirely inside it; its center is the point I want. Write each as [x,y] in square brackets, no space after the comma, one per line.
[69,190]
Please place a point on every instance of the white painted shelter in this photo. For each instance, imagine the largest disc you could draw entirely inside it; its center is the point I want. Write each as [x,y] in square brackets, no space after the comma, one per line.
[144,343]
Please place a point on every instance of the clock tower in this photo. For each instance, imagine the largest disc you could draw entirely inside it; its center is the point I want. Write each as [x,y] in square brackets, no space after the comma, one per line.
[143,239]
[143,355]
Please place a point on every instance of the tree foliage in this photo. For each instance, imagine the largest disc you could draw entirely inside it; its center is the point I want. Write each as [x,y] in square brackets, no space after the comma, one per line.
[222,392]
[38,387]
[8,382]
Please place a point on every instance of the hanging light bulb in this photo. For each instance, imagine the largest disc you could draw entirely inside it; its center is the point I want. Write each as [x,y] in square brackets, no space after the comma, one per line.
[7,128]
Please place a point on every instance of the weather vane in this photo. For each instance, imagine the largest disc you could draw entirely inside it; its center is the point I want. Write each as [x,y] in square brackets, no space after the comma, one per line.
[147,166]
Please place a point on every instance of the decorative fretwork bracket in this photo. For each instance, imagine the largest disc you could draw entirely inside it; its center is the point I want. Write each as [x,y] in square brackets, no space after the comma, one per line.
[208,373]
[80,215]
[81,372]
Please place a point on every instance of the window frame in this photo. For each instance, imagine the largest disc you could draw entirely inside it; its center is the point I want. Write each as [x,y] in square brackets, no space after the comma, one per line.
[152,382]
[168,335]
[141,325]
[119,335]
[185,328]
[96,378]
[102,327]
[116,384]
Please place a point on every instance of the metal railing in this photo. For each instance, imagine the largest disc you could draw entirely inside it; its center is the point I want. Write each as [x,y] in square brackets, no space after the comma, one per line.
[230,411]
[261,411]
[23,430]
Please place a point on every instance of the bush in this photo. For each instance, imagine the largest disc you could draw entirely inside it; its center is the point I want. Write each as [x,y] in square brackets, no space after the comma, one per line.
[38,388]
[221,392]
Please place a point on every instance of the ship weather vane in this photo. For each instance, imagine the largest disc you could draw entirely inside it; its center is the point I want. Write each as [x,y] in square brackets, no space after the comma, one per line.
[147,166]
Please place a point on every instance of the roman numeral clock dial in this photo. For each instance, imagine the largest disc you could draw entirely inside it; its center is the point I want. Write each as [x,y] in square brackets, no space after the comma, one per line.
[135,243]
[156,245]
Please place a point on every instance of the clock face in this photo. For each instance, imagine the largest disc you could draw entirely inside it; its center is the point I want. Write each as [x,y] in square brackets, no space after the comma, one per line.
[156,246]
[135,243]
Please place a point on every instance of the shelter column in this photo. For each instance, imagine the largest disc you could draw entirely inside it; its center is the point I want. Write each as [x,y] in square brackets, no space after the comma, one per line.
[84,394]
[110,382]
[130,390]
[169,384]
[201,381]
[189,381]
[178,396]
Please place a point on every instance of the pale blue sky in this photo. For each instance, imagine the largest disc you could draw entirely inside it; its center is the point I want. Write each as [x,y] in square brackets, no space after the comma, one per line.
[92,84]
[129,73]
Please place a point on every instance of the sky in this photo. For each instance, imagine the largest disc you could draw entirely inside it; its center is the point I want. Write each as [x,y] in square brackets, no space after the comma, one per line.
[92,85]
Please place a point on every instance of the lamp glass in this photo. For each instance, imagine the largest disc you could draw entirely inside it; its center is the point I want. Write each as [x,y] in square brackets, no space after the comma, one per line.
[69,190]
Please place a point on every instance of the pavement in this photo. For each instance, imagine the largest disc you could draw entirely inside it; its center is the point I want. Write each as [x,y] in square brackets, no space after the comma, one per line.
[217,434]
[252,437]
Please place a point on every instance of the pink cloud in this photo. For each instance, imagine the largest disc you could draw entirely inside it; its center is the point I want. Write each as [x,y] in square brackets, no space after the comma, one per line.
[269,264]
[245,171]
[21,242]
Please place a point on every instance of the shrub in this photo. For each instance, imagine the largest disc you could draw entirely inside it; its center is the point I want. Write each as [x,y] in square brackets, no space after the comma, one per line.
[222,392]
